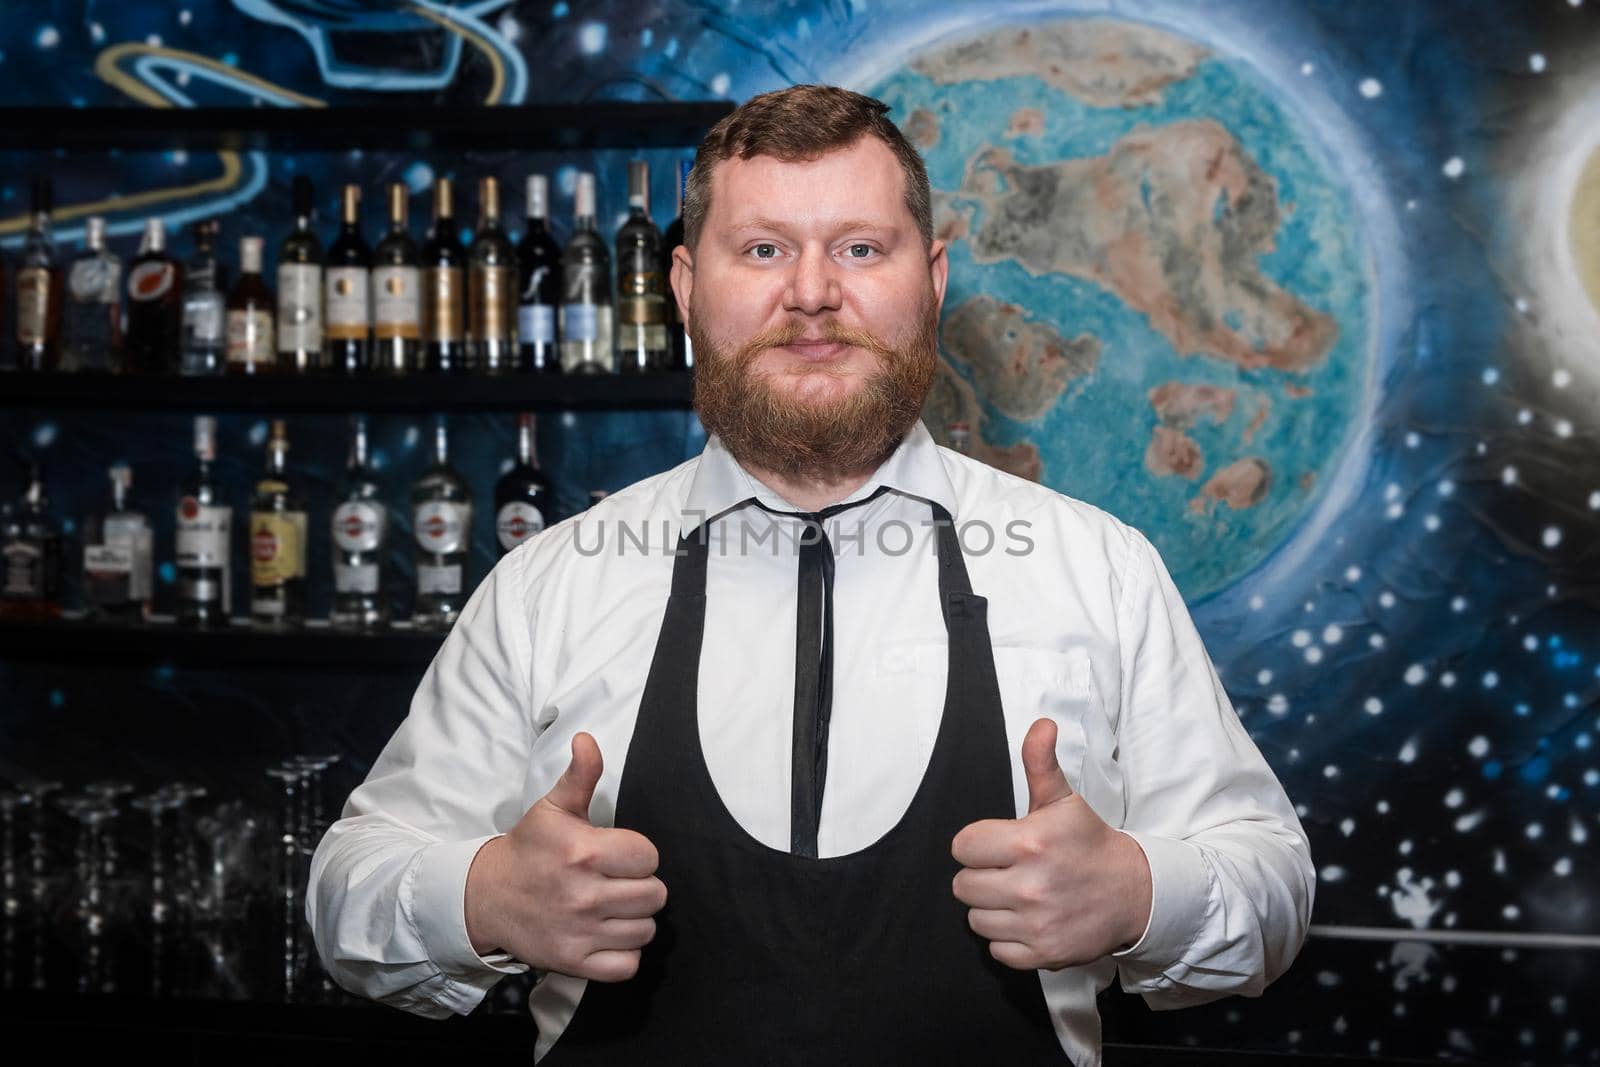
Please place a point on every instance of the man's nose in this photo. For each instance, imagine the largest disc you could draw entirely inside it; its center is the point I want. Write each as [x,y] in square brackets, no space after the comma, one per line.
[813,283]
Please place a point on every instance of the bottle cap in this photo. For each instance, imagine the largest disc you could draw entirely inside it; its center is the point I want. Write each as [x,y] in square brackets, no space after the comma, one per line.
[352,204]
[205,436]
[583,203]
[639,185]
[94,232]
[538,196]
[155,236]
[250,255]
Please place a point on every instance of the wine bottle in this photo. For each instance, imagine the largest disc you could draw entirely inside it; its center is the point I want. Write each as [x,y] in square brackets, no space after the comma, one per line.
[491,288]
[522,495]
[539,263]
[586,311]
[443,304]
[348,290]
[299,327]
[641,294]
[155,305]
[396,293]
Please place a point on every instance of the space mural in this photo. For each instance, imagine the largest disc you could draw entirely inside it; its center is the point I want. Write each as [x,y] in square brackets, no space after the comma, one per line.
[1307,290]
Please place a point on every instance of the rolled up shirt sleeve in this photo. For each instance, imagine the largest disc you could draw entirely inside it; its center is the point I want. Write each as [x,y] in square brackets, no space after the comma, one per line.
[1231,874]
[386,897]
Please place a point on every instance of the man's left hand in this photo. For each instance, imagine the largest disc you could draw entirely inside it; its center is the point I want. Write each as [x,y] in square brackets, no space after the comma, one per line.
[1057,887]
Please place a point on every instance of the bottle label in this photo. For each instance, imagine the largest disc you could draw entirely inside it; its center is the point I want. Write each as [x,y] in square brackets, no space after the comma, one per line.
[203,534]
[580,322]
[537,324]
[126,551]
[107,561]
[442,527]
[33,304]
[441,305]
[442,580]
[355,578]
[249,337]
[203,319]
[152,280]
[516,522]
[641,311]
[299,307]
[349,307]
[24,571]
[277,547]
[93,280]
[358,526]
[397,302]
[493,290]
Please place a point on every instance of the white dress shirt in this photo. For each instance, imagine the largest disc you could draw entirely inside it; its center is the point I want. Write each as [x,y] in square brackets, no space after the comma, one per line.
[1087,629]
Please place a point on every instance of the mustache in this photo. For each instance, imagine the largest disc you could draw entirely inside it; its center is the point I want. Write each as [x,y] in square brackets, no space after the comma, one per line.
[830,330]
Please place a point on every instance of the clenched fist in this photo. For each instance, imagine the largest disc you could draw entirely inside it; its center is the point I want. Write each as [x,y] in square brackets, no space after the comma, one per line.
[1057,887]
[563,895]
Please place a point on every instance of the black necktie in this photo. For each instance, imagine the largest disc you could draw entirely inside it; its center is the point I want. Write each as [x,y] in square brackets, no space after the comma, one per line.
[813,672]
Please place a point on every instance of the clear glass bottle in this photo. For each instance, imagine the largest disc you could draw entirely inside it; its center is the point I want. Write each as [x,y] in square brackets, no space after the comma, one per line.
[155,305]
[641,291]
[444,349]
[441,521]
[522,496]
[250,315]
[396,293]
[277,542]
[204,539]
[205,283]
[38,289]
[539,267]
[299,327]
[360,529]
[491,288]
[117,544]
[30,552]
[91,321]
[348,290]
[586,311]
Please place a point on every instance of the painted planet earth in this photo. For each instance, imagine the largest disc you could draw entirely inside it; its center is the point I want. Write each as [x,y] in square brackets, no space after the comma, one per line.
[1160,298]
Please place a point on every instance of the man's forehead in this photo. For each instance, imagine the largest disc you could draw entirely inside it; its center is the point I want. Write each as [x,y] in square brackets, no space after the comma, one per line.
[862,181]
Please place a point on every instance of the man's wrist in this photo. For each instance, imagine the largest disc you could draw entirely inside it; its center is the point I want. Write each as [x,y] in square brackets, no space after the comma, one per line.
[1137,891]
[478,899]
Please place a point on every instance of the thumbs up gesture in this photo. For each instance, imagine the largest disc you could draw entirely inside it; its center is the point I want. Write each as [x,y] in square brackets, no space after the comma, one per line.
[561,894]
[1057,887]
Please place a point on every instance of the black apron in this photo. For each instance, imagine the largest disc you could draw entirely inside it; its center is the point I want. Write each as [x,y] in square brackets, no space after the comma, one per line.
[764,957]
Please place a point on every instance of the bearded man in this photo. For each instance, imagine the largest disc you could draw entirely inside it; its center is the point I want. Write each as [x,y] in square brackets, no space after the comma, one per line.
[881,756]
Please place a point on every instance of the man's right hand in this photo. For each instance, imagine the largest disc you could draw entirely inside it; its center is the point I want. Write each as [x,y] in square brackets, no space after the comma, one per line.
[563,895]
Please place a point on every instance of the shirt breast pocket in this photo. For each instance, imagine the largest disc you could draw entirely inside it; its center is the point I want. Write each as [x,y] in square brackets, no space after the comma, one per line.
[1046,683]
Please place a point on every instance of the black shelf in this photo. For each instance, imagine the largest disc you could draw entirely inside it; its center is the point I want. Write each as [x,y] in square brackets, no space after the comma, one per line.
[286,393]
[79,641]
[534,127]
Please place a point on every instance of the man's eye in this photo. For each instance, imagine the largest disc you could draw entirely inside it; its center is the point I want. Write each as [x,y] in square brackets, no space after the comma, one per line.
[859,251]
[765,251]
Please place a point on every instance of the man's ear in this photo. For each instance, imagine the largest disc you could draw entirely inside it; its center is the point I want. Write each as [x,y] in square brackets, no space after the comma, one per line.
[938,272]
[682,280]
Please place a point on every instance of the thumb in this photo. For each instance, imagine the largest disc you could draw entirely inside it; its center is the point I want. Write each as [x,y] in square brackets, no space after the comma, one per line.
[1047,783]
[575,788]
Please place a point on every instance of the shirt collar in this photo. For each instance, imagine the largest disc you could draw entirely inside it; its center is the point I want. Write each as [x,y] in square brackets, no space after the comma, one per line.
[914,469]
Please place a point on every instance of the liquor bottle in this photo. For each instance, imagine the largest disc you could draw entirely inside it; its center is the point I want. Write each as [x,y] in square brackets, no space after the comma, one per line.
[586,301]
[30,549]
[443,294]
[960,438]
[204,539]
[677,336]
[38,289]
[360,529]
[349,291]
[522,495]
[441,519]
[299,328]
[205,319]
[91,322]
[250,315]
[396,293]
[539,261]
[641,293]
[116,556]
[155,305]
[277,542]
[491,288]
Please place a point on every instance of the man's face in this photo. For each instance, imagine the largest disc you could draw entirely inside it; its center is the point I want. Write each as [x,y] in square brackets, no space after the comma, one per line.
[812,303]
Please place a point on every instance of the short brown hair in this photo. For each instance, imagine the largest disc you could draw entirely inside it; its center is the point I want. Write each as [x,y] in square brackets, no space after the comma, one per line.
[802,122]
